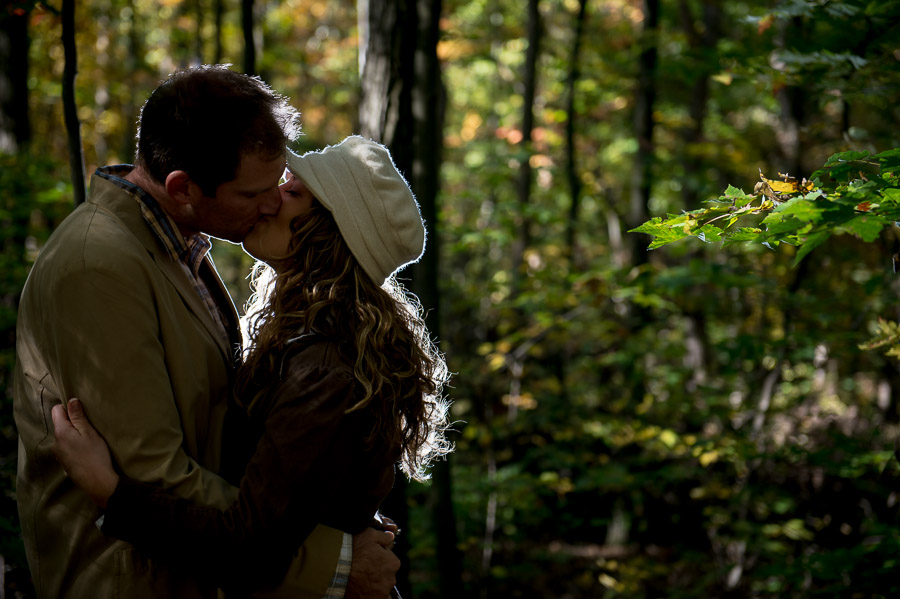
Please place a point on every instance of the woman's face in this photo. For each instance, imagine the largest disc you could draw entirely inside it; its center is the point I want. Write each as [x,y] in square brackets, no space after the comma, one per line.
[270,239]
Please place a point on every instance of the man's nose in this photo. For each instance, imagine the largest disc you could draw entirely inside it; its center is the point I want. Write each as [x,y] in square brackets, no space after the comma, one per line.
[271,203]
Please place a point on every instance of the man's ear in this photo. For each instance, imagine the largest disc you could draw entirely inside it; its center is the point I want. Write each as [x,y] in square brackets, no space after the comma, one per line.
[182,188]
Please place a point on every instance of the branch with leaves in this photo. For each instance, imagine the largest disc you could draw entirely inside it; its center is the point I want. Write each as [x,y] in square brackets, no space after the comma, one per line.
[854,192]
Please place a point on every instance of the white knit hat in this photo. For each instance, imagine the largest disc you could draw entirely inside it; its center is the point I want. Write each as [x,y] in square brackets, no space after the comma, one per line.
[370,200]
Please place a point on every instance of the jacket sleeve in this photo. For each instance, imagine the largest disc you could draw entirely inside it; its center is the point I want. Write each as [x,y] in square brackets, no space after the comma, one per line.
[104,346]
[250,545]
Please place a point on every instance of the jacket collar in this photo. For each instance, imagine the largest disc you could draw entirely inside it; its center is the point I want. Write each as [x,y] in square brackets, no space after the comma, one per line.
[108,192]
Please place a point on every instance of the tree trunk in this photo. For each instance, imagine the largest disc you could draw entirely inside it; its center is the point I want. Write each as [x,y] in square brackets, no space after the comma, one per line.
[428,102]
[15,126]
[571,167]
[644,101]
[402,106]
[73,127]
[388,32]
[523,184]
[219,11]
[249,39]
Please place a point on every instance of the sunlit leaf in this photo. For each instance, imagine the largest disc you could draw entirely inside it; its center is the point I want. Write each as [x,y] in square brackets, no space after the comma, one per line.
[801,209]
[651,227]
[709,234]
[737,196]
[894,153]
[668,437]
[778,225]
[708,457]
[742,235]
[669,236]
[724,78]
[868,227]
[845,157]
[787,184]
[892,194]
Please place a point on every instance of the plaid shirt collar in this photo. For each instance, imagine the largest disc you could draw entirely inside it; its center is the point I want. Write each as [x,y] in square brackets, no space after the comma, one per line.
[190,251]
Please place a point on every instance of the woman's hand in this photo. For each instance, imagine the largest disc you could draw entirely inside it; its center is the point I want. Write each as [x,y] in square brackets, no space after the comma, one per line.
[373,572]
[83,453]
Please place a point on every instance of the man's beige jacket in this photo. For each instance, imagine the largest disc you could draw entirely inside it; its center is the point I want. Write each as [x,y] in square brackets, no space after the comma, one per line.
[108,317]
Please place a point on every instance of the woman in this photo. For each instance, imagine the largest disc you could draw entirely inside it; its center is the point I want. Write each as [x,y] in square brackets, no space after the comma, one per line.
[340,381]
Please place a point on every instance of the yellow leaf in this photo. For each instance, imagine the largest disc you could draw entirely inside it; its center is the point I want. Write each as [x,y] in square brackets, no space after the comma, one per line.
[607,581]
[669,438]
[788,184]
[496,361]
[723,78]
[708,458]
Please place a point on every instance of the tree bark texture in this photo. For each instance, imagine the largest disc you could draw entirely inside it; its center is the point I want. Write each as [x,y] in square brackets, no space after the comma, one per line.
[70,110]
[388,31]
[15,126]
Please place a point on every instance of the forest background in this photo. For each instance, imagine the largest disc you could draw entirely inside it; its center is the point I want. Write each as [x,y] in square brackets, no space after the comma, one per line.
[695,421]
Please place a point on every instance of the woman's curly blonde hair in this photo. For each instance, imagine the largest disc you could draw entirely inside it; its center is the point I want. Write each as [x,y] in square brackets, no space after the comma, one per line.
[320,287]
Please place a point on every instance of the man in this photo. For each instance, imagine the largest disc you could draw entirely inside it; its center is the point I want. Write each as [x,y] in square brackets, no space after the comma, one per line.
[124,310]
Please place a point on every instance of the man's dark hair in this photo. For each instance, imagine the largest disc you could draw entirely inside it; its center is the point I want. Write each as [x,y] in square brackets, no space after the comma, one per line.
[203,120]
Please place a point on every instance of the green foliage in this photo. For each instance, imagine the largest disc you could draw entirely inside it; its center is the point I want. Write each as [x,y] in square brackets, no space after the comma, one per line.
[887,334]
[853,193]
[648,409]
